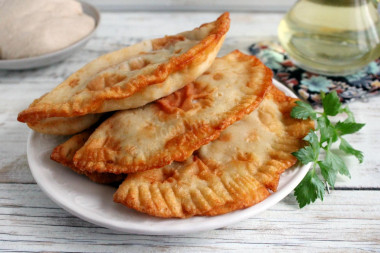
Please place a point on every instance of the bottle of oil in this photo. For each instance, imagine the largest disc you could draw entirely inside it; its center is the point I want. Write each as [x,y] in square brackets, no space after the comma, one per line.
[332,37]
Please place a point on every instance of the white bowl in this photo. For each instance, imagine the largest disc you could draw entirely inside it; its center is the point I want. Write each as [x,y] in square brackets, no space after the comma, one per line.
[50,58]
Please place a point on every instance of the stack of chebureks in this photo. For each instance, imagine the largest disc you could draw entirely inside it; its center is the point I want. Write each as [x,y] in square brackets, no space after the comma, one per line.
[185,132]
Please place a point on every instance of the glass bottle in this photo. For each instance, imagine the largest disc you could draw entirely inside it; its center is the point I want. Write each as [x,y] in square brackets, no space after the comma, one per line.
[331,37]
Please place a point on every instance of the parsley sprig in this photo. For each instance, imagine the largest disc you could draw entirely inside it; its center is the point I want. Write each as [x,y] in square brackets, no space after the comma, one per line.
[313,185]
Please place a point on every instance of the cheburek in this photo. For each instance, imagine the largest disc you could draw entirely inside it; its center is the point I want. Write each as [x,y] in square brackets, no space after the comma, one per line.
[64,154]
[64,126]
[172,128]
[133,76]
[259,146]
[233,172]
[61,125]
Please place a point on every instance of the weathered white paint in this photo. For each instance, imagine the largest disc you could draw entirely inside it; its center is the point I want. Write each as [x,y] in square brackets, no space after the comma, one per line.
[192,5]
[348,219]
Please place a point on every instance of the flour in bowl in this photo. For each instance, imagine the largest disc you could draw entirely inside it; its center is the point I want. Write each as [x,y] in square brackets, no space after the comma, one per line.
[36,27]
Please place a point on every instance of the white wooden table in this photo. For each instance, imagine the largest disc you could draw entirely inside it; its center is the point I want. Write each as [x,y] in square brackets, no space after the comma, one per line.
[347,220]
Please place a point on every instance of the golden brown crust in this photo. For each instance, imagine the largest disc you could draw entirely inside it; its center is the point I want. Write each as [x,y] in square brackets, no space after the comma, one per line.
[64,126]
[182,100]
[102,95]
[64,154]
[186,189]
[226,174]
[288,138]
[141,139]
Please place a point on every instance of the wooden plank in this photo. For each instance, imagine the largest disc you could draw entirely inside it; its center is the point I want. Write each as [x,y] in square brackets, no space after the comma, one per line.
[346,220]
[193,5]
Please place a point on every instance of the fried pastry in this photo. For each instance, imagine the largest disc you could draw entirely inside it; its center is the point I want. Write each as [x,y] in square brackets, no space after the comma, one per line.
[172,128]
[64,126]
[64,154]
[233,172]
[260,144]
[185,189]
[133,76]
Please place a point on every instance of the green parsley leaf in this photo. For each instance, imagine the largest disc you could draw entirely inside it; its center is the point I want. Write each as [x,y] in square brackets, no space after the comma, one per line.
[350,115]
[312,138]
[336,163]
[303,111]
[327,172]
[331,104]
[310,188]
[305,155]
[326,130]
[348,127]
[348,149]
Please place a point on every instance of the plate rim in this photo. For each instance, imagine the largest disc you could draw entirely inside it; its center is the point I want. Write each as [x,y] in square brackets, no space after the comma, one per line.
[216,221]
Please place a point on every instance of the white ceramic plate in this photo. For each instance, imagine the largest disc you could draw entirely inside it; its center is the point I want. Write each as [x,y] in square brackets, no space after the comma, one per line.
[50,58]
[93,202]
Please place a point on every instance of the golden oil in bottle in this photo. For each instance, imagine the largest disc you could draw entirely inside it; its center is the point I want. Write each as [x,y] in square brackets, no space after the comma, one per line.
[332,37]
